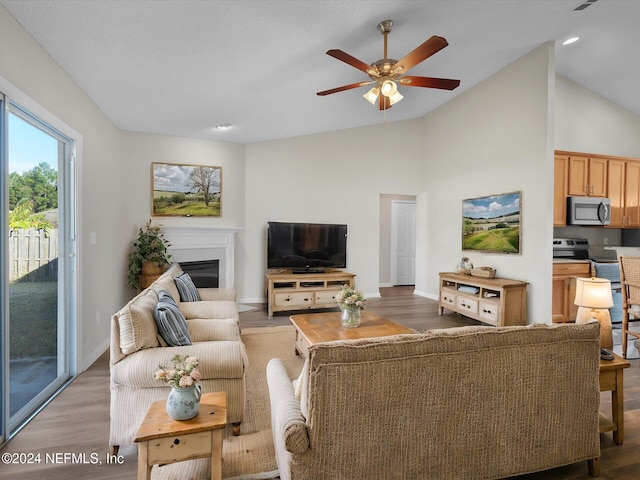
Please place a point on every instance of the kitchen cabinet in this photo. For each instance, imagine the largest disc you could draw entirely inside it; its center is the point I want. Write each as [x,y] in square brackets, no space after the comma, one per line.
[623,188]
[616,188]
[587,176]
[575,174]
[560,183]
[563,291]
[632,194]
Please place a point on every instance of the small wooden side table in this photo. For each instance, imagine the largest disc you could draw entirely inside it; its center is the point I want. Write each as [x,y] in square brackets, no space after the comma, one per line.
[611,379]
[162,440]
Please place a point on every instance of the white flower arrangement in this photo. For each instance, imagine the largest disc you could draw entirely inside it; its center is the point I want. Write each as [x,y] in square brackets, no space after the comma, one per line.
[349,297]
[184,373]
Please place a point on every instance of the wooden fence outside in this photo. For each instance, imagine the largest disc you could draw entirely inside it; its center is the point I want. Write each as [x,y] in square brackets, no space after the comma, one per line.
[33,255]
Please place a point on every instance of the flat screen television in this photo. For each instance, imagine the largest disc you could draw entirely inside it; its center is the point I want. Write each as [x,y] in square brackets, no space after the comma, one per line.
[306,247]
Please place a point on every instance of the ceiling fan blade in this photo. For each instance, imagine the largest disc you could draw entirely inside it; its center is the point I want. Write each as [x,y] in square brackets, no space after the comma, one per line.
[383,103]
[420,53]
[343,88]
[353,61]
[429,82]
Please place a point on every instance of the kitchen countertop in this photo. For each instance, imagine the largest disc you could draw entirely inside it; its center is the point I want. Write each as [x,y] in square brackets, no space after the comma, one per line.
[570,260]
[587,260]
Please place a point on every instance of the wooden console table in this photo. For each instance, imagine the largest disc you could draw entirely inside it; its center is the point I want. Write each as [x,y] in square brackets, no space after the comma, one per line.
[496,301]
[304,291]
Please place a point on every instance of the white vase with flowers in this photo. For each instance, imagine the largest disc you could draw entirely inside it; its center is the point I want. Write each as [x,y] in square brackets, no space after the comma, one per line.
[351,302]
[183,401]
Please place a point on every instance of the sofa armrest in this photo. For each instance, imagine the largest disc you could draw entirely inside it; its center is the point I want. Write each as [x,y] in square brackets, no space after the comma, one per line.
[217,294]
[289,426]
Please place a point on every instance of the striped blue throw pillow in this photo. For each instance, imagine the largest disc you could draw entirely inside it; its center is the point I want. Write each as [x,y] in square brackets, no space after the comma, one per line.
[171,324]
[186,288]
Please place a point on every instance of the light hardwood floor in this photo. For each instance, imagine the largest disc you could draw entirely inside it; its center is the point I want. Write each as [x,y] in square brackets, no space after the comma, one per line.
[77,421]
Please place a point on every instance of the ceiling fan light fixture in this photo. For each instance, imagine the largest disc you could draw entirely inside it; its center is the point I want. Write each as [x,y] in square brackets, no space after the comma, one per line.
[388,88]
[395,98]
[372,95]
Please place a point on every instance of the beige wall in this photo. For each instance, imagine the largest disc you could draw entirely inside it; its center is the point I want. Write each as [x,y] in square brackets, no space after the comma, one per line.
[102,180]
[329,178]
[492,139]
[586,122]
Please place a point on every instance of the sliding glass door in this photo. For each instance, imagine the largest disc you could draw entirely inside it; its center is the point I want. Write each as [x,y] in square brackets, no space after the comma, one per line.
[38,263]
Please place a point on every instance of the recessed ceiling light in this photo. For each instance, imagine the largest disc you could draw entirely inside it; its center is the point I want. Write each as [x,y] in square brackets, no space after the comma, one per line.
[223,126]
[571,40]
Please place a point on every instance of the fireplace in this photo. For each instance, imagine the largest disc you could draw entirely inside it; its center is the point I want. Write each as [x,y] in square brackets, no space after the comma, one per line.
[204,273]
[196,244]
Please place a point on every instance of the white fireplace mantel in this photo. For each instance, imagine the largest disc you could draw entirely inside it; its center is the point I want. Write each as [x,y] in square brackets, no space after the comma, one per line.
[191,244]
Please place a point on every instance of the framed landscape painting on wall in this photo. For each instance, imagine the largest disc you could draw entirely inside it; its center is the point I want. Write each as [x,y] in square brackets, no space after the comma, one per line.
[186,190]
[492,223]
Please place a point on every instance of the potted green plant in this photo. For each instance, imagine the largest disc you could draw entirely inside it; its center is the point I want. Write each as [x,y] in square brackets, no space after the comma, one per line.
[148,256]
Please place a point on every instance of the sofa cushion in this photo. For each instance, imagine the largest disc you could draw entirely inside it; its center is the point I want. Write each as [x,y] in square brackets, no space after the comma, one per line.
[186,288]
[137,324]
[220,359]
[217,294]
[166,282]
[204,330]
[172,325]
[213,310]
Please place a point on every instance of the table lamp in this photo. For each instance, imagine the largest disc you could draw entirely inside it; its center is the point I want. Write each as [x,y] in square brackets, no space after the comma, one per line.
[593,297]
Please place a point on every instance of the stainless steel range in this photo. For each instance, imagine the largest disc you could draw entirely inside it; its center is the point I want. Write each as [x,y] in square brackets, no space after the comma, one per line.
[571,248]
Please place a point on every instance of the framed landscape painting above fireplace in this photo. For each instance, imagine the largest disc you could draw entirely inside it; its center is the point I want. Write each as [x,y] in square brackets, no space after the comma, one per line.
[492,223]
[186,190]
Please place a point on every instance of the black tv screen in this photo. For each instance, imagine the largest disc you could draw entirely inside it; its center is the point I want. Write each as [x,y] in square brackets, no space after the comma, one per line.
[306,246]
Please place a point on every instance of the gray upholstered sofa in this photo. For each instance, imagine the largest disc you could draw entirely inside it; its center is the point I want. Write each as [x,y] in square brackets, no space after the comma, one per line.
[459,403]
[137,349]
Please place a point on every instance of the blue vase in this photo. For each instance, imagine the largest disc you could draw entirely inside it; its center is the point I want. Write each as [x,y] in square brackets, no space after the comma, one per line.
[184,403]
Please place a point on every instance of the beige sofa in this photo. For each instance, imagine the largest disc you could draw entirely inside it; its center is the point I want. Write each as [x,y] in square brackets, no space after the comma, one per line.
[459,403]
[137,350]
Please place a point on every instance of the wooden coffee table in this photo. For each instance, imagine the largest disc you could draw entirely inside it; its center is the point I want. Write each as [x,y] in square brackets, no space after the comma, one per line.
[162,440]
[312,328]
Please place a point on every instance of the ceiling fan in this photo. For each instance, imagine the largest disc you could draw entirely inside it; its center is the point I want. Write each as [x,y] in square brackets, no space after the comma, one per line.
[386,73]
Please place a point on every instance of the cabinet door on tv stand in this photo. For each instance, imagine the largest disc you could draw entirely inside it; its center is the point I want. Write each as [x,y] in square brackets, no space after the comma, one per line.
[294,300]
[326,297]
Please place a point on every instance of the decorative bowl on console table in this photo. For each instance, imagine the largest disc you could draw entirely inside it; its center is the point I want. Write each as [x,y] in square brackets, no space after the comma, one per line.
[484,272]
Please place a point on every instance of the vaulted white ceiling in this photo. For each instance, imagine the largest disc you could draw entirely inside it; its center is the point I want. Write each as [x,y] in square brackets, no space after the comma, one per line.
[181,67]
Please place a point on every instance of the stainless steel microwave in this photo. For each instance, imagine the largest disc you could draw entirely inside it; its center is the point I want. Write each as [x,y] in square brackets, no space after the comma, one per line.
[588,211]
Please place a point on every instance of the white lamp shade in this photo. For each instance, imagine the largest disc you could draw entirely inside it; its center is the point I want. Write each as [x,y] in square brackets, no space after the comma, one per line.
[395,98]
[593,293]
[372,95]
[388,88]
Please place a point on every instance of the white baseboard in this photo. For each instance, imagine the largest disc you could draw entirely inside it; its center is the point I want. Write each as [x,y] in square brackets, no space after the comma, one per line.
[252,300]
[95,355]
[430,296]
[383,285]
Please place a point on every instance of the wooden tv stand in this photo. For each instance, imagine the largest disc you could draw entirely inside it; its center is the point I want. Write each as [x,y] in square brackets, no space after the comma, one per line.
[304,291]
[496,301]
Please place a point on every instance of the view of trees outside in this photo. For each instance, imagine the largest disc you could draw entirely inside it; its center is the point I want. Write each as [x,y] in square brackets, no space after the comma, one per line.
[31,193]
[33,181]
